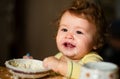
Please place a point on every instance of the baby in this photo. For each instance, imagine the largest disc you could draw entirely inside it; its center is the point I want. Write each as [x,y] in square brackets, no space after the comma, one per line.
[81,29]
[80,33]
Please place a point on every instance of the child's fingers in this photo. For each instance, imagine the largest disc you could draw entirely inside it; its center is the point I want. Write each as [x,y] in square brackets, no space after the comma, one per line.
[45,63]
[27,57]
[50,62]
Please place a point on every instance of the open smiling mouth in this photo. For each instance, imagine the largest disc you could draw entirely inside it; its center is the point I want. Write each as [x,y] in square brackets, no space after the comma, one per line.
[68,45]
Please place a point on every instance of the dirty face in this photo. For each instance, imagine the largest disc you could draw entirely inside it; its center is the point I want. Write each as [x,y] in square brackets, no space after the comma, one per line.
[75,36]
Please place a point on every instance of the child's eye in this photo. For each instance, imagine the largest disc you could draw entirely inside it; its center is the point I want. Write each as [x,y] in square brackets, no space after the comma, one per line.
[79,32]
[64,30]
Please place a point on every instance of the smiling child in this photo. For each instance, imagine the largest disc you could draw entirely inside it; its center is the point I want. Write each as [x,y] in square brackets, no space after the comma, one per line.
[81,29]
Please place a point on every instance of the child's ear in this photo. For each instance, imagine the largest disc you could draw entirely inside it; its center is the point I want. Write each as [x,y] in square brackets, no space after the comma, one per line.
[95,47]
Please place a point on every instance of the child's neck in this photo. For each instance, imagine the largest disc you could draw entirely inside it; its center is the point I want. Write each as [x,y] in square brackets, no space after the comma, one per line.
[64,58]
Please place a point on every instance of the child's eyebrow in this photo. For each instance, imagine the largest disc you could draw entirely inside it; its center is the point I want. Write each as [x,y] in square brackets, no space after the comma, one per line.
[64,25]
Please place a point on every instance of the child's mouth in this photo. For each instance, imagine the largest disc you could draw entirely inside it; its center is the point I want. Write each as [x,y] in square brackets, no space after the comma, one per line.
[68,45]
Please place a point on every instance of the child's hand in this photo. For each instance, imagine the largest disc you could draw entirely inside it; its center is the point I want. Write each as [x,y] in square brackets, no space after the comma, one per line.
[27,56]
[57,65]
[51,63]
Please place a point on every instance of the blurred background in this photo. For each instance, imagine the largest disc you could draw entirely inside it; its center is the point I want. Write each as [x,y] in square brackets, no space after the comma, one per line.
[26,26]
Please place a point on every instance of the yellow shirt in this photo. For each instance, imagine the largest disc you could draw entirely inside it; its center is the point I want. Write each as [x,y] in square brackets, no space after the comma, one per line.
[74,67]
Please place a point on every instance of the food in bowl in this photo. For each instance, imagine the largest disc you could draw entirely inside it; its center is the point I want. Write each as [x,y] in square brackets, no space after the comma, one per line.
[26,68]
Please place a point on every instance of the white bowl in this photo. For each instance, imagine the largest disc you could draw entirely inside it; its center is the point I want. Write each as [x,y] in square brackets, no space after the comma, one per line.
[26,68]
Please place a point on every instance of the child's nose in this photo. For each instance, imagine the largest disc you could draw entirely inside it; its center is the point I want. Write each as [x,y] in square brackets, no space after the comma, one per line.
[69,36]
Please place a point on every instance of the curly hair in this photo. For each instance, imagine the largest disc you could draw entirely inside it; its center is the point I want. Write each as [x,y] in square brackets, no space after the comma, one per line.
[93,12]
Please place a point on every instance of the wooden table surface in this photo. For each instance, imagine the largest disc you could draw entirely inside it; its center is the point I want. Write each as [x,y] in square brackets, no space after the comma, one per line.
[5,74]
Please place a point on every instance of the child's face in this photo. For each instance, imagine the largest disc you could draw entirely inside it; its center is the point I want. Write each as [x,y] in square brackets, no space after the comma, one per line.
[75,36]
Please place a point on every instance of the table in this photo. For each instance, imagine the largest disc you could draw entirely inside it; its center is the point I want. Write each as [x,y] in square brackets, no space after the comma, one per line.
[5,74]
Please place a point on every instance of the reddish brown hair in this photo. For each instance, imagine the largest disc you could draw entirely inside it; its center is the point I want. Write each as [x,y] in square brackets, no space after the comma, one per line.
[92,11]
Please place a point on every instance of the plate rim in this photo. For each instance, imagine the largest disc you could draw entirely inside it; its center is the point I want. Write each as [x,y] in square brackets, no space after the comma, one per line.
[24,70]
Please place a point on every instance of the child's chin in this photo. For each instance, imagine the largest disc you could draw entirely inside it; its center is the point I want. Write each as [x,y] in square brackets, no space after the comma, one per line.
[69,55]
